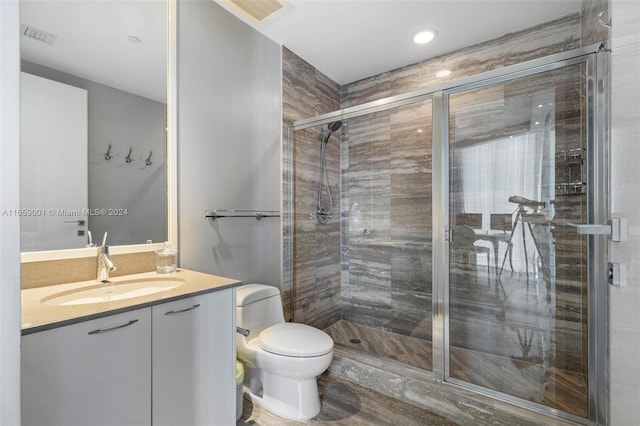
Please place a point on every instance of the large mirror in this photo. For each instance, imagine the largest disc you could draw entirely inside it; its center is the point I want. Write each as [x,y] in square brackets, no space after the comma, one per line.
[93,123]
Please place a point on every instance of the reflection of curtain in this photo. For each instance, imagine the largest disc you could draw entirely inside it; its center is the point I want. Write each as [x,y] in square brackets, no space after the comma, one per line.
[456,188]
[496,170]
[491,172]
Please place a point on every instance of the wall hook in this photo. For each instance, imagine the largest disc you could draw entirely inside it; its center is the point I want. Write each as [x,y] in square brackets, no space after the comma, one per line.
[602,21]
[128,159]
[107,155]
[148,161]
[603,47]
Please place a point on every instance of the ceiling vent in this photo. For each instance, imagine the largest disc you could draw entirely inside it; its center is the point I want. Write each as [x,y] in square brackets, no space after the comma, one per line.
[258,10]
[37,34]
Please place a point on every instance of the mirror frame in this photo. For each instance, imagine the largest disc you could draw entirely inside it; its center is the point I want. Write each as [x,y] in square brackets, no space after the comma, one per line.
[171,162]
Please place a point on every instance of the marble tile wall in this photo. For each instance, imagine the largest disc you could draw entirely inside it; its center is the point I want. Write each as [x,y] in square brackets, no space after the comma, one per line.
[592,30]
[386,227]
[315,254]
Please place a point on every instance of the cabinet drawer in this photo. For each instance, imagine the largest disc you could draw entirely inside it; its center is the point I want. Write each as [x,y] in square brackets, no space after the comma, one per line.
[96,372]
[194,361]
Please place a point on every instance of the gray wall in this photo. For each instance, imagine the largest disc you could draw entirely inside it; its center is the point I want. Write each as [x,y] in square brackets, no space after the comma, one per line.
[125,121]
[9,225]
[624,323]
[229,149]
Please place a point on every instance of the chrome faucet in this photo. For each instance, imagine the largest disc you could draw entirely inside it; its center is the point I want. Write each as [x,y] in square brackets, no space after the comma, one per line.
[105,265]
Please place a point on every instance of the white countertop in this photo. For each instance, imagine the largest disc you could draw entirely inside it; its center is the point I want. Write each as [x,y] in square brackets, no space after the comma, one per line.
[37,315]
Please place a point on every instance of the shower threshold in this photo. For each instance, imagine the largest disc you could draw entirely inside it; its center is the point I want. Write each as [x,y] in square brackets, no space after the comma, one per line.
[399,366]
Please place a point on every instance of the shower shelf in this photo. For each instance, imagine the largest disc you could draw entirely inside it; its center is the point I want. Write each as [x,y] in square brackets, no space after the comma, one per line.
[257,214]
[390,243]
[569,171]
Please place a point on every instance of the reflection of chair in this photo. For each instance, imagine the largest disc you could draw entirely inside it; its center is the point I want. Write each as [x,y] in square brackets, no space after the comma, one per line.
[464,243]
[503,222]
[473,220]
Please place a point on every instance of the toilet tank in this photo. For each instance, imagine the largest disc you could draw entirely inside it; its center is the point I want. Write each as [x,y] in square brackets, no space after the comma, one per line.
[258,306]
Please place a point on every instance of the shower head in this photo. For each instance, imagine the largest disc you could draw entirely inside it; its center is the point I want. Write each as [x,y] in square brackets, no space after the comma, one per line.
[335,126]
[331,127]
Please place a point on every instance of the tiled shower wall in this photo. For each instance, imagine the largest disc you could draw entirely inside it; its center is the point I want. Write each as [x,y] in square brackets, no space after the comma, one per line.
[313,262]
[323,293]
[386,228]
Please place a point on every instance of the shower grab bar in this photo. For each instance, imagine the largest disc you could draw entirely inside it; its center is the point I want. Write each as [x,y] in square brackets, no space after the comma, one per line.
[257,214]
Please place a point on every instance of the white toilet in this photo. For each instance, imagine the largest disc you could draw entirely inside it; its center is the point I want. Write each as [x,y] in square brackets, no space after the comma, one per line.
[282,360]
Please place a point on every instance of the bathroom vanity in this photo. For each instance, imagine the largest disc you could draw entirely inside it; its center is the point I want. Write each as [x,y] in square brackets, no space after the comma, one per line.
[164,358]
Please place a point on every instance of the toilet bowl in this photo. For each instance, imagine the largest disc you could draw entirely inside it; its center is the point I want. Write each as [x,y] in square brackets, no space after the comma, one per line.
[282,360]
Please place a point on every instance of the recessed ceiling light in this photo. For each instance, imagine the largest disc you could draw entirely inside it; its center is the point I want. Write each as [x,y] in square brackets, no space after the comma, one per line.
[424,37]
[443,73]
[134,39]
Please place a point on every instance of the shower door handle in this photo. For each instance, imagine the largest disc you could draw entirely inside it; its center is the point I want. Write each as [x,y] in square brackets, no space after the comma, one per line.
[612,228]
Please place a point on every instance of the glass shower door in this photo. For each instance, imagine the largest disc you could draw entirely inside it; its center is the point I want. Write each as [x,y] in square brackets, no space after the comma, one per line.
[518,288]
[387,233]
[364,275]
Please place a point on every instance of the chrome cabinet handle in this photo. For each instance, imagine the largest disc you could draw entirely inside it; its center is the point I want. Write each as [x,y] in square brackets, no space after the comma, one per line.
[182,310]
[104,330]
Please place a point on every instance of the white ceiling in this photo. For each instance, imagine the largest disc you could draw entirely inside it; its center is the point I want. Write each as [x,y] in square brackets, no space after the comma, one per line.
[345,39]
[92,41]
[352,39]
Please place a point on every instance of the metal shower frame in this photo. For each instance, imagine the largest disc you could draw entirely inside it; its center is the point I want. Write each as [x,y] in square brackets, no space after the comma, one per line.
[596,59]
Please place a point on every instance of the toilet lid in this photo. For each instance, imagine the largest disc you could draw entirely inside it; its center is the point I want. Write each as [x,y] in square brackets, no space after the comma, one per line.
[297,340]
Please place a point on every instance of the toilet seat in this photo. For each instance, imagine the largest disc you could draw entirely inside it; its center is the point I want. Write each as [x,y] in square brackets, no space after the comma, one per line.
[296,340]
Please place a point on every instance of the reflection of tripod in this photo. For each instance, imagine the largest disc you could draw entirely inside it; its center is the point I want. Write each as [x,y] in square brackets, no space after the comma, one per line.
[523,217]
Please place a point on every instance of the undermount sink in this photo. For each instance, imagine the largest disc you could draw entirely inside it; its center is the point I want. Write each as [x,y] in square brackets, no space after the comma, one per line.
[112,291]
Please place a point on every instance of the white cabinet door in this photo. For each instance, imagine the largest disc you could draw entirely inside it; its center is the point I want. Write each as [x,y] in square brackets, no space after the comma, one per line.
[53,164]
[92,373]
[194,361]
